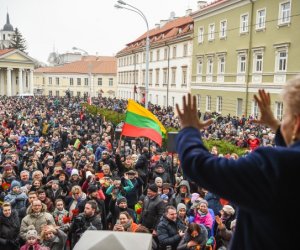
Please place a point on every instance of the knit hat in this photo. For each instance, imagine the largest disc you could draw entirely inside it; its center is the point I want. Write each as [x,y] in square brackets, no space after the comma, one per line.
[180,206]
[7,167]
[15,184]
[164,197]
[195,196]
[87,174]
[203,201]
[74,172]
[197,203]
[31,232]
[121,199]
[166,185]
[92,189]
[158,179]
[153,188]
[228,209]
[55,181]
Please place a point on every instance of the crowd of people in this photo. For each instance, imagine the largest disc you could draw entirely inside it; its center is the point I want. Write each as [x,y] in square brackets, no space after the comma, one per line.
[63,172]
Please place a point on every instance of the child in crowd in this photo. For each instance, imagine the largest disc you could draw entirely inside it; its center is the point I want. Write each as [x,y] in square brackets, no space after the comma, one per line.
[32,240]
[61,215]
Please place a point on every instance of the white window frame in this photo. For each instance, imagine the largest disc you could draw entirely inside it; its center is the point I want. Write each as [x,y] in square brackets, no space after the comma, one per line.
[221,65]
[219,103]
[200,34]
[211,31]
[240,63]
[244,24]
[255,109]
[223,29]
[198,101]
[278,110]
[208,103]
[278,59]
[261,20]
[200,66]
[284,16]
[258,63]
[210,66]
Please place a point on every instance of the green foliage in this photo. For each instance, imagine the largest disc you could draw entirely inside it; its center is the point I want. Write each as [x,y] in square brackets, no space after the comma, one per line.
[224,147]
[17,41]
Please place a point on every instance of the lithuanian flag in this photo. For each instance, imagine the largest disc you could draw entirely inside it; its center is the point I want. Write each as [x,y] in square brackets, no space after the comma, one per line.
[140,122]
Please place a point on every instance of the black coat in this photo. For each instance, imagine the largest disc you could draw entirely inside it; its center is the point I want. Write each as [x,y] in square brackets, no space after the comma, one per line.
[153,210]
[9,231]
[167,231]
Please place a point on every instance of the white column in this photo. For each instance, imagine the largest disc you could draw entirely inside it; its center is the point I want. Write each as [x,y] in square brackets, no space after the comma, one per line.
[1,83]
[8,85]
[21,81]
[24,81]
[31,82]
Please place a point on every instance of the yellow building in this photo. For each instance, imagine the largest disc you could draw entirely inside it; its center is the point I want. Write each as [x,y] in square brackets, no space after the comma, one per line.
[16,72]
[91,76]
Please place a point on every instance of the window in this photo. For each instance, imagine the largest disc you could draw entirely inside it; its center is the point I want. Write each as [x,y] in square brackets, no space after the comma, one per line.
[281,61]
[200,35]
[151,56]
[255,109]
[150,76]
[78,93]
[174,51]
[57,93]
[258,63]
[144,57]
[165,101]
[71,81]
[184,75]
[200,66]
[208,103]
[165,54]
[244,23]
[110,82]
[50,80]
[100,81]
[86,81]
[136,58]
[221,65]
[50,92]
[71,93]
[185,50]
[157,55]
[156,99]
[211,32]
[173,101]
[278,110]
[223,29]
[78,81]
[57,80]
[144,76]
[219,104]
[198,101]
[242,63]
[284,13]
[209,67]
[261,19]
[173,75]
[165,76]
[157,76]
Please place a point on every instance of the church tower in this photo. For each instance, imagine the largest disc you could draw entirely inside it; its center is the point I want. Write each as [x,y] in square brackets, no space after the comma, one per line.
[6,34]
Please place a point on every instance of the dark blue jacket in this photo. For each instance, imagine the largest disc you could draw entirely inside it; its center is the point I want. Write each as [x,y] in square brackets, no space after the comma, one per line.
[262,185]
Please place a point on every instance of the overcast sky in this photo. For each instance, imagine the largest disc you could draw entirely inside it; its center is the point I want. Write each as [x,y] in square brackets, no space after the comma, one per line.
[92,25]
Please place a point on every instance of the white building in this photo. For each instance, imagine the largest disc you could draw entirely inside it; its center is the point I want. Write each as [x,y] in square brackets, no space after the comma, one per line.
[6,34]
[170,61]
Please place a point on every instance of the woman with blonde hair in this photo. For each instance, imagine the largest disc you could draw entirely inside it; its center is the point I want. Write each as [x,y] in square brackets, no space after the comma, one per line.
[125,223]
[53,238]
[73,200]
[257,183]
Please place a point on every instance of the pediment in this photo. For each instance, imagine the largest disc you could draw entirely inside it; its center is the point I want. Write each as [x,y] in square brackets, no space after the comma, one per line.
[16,56]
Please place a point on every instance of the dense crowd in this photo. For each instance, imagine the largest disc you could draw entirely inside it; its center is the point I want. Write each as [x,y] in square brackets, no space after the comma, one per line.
[64,171]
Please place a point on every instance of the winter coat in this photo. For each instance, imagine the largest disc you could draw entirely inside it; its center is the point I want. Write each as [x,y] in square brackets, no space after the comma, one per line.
[178,198]
[17,201]
[153,209]
[58,242]
[167,231]
[206,220]
[9,231]
[36,246]
[38,220]
[201,239]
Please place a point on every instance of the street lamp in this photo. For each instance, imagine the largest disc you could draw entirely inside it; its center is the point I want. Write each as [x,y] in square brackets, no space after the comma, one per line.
[139,12]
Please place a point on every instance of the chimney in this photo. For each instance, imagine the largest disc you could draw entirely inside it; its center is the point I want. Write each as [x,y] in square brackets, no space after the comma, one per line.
[163,22]
[172,15]
[201,4]
[157,26]
[188,12]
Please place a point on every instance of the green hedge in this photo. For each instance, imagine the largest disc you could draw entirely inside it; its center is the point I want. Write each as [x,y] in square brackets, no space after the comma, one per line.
[224,147]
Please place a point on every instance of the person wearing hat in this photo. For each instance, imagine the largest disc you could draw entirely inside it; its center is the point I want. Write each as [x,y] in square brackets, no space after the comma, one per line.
[133,194]
[181,213]
[74,179]
[159,171]
[153,209]
[16,197]
[32,240]
[54,191]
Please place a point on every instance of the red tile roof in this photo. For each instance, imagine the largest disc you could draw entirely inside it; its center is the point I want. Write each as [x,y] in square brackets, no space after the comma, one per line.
[210,5]
[167,32]
[108,65]
[5,51]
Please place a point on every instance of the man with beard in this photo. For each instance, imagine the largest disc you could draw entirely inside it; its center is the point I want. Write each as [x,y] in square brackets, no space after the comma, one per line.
[9,228]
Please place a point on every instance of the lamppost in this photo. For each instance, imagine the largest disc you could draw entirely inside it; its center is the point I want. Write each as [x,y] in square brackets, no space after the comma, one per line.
[121,5]
[89,70]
